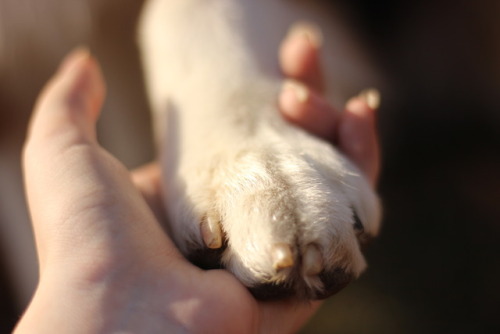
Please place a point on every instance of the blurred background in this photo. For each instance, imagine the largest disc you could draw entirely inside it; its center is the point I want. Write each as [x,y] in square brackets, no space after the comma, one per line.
[435,267]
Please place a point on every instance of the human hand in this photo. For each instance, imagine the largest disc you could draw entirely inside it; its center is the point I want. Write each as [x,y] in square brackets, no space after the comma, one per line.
[106,265]
[353,131]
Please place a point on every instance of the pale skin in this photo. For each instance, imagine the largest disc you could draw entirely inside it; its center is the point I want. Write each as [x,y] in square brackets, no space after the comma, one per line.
[106,265]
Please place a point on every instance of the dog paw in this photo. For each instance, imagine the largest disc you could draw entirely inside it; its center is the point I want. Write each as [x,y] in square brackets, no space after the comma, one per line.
[285,221]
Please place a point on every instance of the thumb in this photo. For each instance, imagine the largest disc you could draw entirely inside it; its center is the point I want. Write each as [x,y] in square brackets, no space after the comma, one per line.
[82,202]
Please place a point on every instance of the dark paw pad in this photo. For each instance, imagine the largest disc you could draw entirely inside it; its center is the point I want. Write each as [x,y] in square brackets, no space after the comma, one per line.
[207,258]
[333,282]
[358,225]
[363,238]
[271,291]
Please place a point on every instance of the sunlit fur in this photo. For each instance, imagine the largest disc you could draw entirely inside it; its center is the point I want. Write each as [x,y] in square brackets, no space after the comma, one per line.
[213,80]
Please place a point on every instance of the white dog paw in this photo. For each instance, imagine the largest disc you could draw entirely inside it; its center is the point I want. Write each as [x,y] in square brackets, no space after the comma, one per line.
[284,221]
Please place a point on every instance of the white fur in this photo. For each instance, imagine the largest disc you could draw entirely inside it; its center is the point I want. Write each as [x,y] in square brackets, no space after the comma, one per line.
[213,79]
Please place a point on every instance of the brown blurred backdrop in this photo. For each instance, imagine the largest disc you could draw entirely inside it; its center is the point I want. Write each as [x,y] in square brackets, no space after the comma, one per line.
[435,268]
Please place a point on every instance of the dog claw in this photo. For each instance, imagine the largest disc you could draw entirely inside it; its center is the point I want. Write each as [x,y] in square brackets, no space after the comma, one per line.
[282,256]
[211,232]
[312,261]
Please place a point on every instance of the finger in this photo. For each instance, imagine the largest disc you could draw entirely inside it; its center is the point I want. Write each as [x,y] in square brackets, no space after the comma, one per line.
[81,199]
[147,179]
[308,109]
[79,90]
[299,55]
[358,137]
[286,316]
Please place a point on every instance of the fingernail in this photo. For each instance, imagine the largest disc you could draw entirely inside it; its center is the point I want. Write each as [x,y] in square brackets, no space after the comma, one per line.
[300,91]
[371,97]
[75,57]
[87,88]
[311,32]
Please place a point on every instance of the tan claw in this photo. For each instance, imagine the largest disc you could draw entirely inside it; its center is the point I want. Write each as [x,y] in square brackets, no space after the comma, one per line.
[282,256]
[211,232]
[312,261]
